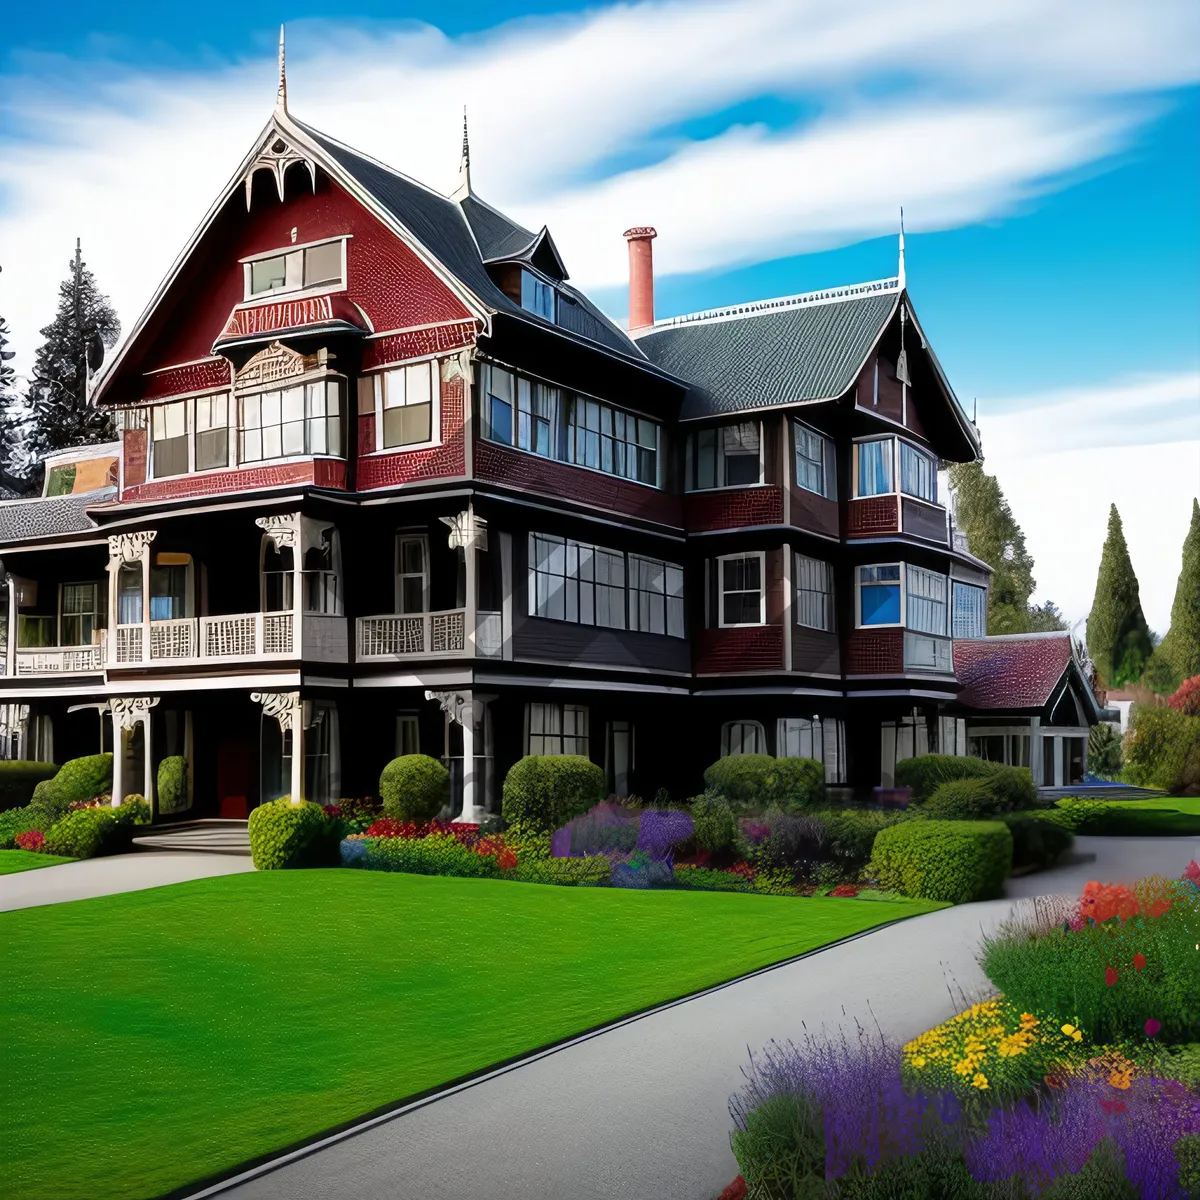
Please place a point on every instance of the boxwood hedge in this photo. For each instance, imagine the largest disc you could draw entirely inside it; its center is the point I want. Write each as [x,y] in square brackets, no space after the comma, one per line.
[172,784]
[18,778]
[1037,843]
[955,861]
[414,787]
[283,834]
[759,781]
[594,870]
[436,854]
[543,792]
[924,773]
[79,779]
[86,833]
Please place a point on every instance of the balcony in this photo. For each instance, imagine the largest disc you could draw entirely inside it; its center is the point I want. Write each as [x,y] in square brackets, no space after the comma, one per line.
[60,660]
[396,637]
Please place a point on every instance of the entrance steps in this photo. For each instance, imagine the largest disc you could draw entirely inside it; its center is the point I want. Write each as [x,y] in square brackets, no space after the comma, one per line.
[213,836]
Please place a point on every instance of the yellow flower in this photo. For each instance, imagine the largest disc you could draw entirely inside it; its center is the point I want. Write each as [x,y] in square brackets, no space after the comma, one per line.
[980,1081]
[1077,1036]
[1068,1029]
[919,1061]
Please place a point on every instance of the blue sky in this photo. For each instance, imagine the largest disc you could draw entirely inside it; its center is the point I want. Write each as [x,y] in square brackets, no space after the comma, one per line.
[1045,152]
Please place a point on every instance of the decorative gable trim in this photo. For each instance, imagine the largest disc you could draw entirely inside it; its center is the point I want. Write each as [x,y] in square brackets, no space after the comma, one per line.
[276,154]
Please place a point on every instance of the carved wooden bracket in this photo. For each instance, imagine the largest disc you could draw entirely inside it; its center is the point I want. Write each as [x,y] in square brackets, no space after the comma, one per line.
[276,155]
[455,705]
[466,530]
[285,707]
[283,529]
[129,547]
[127,711]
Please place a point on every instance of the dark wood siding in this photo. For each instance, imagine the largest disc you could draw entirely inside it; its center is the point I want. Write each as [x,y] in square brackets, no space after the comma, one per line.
[810,511]
[733,508]
[816,651]
[925,520]
[745,648]
[561,641]
[775,587]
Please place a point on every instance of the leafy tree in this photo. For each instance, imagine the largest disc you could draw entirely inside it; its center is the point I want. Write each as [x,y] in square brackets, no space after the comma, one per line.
[1118,637]
[1180,649]
[983,514]
[84,325]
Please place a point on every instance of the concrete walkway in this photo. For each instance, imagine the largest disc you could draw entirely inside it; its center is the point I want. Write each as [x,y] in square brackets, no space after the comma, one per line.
[107,876]
[640,1111]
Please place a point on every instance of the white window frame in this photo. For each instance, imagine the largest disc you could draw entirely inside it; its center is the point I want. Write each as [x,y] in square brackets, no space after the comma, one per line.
[719,452]
[932,461]
[800,429]
[230,428]
[292,289]
[893,467]
[421,539]
[830,594]
[912,575]
[96,613]
[381,383]
[742,727]
[671,574]
[549,723]
[858,586]
[955,584]
[176,406]
[761,555]
[323,381]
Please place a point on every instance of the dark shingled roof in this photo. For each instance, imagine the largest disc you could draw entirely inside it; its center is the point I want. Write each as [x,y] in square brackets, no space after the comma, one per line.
[25,520]
[1011,672]
[786,355]
[450,232]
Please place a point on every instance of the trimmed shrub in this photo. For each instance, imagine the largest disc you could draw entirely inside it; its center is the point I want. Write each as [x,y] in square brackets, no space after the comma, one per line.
[758,781]
[923,773]
[705,879]
[963,800]
[172,784]
[360,808]
[79,779]
[594,870]
[956,861]
[85,834]
[1162,750]
[133,810]
[715,824]
[414,787]
[1013,786]
[18,778]
[436,854]
[850,833]
[542,792]
[1037,842]
[283,834]
[21,820]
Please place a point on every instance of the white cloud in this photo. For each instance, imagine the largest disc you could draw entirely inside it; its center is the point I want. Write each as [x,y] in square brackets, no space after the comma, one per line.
[1000,98]
[1135,444]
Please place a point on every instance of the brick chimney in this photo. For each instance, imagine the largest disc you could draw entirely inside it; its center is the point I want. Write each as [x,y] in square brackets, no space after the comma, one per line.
[641,276]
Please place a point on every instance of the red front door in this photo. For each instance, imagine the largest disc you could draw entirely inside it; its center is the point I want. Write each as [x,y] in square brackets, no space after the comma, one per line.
[233,775]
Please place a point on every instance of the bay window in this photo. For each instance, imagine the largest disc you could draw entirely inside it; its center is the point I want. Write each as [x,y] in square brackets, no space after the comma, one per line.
[617,443]
[655,596]
[537,417]
[814,593]
[926,600]
[742,598]
[970,611]
[810,462]
[556,729]
[302,419]
[874,474]
[576,582]
[879,600]
[727,456]
[918,473]
[877,462]
[169,440]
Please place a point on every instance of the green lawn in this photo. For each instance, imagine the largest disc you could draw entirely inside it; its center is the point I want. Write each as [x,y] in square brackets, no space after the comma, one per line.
[156,1037]
[12,861]
[1169,816]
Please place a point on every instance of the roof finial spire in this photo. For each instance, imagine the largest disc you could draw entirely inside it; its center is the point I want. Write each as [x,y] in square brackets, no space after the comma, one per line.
[281,95]
[900,273]
[464,164]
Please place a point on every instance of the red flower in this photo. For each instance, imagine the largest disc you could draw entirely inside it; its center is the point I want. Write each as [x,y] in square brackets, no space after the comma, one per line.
[1110,975]
[1113,1106]
[33,839]
[1139,961]
[1152,1027]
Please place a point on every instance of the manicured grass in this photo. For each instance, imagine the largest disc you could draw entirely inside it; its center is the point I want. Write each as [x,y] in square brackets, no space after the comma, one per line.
[154,1038]
[12,861]
[1168,817]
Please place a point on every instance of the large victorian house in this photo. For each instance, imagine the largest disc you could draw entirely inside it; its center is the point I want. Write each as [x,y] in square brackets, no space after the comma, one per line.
[387,482]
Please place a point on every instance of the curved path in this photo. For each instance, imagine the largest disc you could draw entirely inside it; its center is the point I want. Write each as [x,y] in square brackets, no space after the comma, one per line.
[639,1110]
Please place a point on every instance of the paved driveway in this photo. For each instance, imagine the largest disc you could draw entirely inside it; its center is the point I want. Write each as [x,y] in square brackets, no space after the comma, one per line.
[119,873]
[639,1111]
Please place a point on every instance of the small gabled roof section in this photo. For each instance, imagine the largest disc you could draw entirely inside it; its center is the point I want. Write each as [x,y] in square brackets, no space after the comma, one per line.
[792,350]
[1019,672]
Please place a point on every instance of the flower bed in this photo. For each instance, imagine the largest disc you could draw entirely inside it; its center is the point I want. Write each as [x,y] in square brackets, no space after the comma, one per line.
[1007,1100]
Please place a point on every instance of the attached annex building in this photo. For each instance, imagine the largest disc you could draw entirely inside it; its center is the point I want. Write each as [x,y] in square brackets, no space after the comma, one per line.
[387,482]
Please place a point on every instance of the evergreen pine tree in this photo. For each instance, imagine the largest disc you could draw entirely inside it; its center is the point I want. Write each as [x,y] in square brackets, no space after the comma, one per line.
[12,479]
[1118,637]
[1180,649]
[983,514]
[85,322]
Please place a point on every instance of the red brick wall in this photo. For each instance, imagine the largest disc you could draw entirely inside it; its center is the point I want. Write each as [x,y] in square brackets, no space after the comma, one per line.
[515,468]
[211,374]
[871,515]
[407,466]
[319,472]
[417,343]
[747,648]
[134,446]
[875,652]
[732,508]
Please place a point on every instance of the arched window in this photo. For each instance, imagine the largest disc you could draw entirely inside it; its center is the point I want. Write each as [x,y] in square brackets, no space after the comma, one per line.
[321,591]
[743,737]
[129,594]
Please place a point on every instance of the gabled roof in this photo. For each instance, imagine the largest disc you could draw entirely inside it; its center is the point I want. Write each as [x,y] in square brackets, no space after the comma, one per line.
[499,238]
[794,350]
[1016,671]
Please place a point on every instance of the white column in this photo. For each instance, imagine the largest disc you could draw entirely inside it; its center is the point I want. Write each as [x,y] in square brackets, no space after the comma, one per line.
[471,619]
[118,778]
[127,711]
[130,548]
[10,649]
[1058,762]
[467,718]
[288,710]
[297,784]
[151,784]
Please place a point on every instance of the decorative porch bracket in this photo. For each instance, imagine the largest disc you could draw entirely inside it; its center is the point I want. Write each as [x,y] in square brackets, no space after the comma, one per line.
[126,712]
[466,709]
[283,529]
[288,709]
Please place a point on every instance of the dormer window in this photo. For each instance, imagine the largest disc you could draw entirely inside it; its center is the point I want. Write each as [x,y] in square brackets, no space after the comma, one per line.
[538,296]
[321,265]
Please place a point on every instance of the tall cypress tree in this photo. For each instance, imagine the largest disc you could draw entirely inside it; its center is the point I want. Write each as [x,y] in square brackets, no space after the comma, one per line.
[13,480]
[994,536]
[1181,647]
[1118,637]
[85,324]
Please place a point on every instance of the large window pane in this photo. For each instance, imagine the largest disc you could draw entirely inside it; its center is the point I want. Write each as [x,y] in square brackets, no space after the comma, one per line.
[268,274]
[879,595]
[875,467]
[741,590]
[926,600]
[810,461]
[918,473]
[814,593]
[323,265]
[970,611]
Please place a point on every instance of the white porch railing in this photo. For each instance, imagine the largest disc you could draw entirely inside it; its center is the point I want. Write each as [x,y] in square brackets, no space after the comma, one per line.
[433,635]
[173,639]
[246,635]
[128,644]
[60,660]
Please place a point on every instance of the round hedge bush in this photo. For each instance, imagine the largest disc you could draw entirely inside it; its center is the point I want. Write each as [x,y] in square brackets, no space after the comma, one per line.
[86,833]
[543,792]
[955,861]
[414,787]
[758,781]
[716,826]
[923,774]
[283,834]
[172,784]
[79,779]
[1002,790]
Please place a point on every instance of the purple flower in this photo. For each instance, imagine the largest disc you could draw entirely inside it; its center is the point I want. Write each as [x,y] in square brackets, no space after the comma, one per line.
[661,830]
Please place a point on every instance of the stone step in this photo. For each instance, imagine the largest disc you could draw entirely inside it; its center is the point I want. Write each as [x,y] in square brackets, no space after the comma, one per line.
[206,837]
